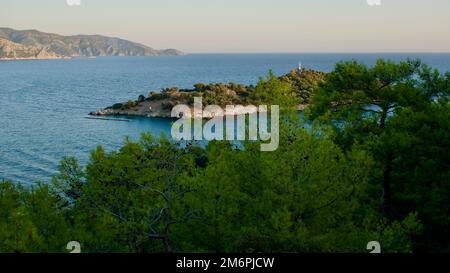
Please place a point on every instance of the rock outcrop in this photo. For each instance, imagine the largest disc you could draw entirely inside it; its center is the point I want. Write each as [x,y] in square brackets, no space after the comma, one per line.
[160,104]
[14,51]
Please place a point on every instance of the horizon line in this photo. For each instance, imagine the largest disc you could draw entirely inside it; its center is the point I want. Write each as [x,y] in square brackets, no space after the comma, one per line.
[327,52]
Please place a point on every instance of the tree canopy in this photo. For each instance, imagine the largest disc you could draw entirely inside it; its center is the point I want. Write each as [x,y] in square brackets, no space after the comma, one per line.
[369,163]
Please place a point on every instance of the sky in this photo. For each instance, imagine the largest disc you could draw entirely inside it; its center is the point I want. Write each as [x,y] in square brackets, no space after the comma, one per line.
[246,26]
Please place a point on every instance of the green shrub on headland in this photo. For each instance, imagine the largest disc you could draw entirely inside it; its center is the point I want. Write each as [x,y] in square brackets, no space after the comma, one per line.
[301,82]
[117,106]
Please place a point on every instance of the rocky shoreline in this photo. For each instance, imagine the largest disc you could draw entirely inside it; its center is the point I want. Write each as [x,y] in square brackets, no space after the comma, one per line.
[34,58]
[149,110]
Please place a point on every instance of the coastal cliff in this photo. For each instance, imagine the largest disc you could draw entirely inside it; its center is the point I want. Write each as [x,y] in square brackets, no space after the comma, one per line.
[14,51]
[33,44]
[160,104]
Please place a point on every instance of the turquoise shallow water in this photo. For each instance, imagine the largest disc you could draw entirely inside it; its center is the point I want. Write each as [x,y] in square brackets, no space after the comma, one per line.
[44,103]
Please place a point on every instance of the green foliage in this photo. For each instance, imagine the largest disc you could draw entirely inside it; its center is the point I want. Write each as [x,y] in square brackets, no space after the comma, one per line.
[199,87]
[141,98]
[289,90]
[158,96]
[357,100]
[274,91]
[399,113]
[30,221]
[154,196]
[171,90]
[305,82]
[117,106]
[131,104]
[419,143]
[219,94]
[296,199]
[374,166]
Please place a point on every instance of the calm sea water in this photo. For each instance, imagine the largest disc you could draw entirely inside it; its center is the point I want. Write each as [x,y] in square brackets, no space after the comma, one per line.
[44,103]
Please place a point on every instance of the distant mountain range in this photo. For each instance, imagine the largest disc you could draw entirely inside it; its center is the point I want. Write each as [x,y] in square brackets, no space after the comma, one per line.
[33,44]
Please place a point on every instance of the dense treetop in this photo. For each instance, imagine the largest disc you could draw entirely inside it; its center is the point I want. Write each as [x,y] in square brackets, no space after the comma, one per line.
[369,162]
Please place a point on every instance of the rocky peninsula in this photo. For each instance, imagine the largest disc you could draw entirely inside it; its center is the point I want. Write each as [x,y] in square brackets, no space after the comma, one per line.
[159,104]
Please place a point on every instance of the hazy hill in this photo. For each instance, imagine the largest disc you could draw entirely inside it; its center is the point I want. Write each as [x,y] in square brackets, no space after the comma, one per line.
[31,43]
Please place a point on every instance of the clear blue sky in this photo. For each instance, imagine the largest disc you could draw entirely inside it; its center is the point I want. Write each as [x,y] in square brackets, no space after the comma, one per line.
[247,25]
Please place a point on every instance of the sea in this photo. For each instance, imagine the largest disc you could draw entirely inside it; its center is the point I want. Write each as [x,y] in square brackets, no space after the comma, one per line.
[44,103]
